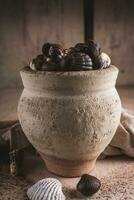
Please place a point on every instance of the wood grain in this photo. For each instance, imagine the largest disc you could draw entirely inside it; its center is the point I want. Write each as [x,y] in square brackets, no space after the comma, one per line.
[26,24]
[114,28]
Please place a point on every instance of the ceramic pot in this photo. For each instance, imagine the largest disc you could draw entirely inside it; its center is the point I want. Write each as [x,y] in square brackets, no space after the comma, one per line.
[70,117]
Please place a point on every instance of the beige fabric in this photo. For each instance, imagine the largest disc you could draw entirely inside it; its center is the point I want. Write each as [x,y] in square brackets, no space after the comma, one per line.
[123,141]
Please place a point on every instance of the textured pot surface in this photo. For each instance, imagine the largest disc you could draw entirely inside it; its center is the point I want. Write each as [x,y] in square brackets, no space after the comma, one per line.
[70,115]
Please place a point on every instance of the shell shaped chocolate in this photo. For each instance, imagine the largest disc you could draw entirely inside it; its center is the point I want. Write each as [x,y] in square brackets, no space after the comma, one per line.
[56,53]
[46,189]
[90,48]
[45,49]
[83,48]
[36,63]
[88,185]
[94,49]
[80,61]
[72,50]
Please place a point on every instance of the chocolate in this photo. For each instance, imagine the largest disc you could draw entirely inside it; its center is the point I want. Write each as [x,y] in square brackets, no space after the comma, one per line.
[56,53]
[37,62]
[88,185]
[50,66]
[83,56]
[81,46]
[98,63]
[94,48]
[79,61]
[72,50]
[90,48]
[103,61]
[45,49]
[65,51]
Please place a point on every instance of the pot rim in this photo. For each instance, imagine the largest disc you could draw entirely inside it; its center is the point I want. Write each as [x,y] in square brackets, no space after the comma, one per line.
[112,68]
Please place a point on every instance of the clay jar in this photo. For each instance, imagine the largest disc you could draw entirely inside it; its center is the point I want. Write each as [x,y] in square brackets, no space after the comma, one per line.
[70,117]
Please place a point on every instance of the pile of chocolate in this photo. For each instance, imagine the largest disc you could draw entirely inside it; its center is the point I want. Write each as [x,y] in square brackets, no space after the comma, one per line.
[83,56]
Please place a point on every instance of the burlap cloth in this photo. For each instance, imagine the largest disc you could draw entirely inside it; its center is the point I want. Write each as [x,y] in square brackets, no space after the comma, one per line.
[123,140]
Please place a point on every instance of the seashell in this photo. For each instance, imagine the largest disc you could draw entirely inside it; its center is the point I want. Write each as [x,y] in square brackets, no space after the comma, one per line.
[88,185]
[46,189]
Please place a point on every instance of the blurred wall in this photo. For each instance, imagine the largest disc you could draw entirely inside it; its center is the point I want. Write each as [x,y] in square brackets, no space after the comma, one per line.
[26,24]
[114,28]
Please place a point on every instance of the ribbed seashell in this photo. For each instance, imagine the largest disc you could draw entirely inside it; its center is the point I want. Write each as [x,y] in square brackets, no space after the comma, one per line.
[46,189]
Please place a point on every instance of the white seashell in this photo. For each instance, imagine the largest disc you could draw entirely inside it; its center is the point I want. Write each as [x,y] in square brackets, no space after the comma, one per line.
[46,189]
[105,59]
[32,66]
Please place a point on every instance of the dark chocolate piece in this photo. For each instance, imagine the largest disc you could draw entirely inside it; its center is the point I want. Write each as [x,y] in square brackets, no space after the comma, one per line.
[45,49]
[38,62]
[56,53]
[88,185]
[80,61]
